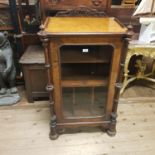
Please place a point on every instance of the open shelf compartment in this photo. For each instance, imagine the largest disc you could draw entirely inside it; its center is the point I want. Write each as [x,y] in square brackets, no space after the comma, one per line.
[85,54]
[84,75]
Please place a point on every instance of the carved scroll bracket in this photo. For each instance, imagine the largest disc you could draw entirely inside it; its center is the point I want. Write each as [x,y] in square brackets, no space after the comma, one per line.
[81,11]
[43,36]
[97,2]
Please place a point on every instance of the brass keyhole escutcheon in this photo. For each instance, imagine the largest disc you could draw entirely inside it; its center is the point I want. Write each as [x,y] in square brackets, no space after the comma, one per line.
[96,2]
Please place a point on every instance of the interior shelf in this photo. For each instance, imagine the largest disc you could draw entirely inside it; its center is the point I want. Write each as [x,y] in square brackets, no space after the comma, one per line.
[83,81]
[84,75]
[85,54]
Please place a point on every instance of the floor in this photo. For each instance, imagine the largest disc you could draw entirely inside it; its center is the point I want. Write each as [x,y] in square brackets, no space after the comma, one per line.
[24,129]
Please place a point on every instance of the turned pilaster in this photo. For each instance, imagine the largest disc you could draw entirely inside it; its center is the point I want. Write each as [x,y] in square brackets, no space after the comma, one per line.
[112,128]
[50,87]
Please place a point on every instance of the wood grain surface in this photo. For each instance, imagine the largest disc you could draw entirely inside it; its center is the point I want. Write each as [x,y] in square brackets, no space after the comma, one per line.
[83,25]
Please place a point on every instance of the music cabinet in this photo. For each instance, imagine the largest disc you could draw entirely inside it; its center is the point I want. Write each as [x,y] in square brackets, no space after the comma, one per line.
[83,57]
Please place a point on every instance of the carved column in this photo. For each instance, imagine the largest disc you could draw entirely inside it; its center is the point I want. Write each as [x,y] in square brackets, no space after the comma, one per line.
[50,88]
[112,129]
[119,84]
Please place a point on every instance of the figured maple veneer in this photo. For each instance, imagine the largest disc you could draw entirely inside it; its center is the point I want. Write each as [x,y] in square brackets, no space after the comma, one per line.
[58,25]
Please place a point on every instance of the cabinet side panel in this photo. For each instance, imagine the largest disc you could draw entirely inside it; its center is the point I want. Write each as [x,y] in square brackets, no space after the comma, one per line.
[55,71]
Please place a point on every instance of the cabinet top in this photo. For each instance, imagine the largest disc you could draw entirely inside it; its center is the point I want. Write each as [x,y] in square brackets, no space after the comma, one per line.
[83,25]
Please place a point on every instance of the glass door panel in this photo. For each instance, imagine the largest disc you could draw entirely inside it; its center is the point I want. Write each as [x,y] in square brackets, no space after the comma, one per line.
[84,102]
[84,79]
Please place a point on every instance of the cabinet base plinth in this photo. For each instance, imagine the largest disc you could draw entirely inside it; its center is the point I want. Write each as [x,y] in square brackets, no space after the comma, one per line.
[61,131]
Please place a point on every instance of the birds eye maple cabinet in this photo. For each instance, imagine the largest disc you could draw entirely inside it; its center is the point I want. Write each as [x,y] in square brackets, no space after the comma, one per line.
[83,57]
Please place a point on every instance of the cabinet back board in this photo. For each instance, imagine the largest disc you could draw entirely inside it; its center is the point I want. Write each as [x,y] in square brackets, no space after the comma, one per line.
[71,4]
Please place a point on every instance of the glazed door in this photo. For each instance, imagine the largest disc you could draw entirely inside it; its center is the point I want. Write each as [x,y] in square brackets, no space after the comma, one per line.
[84,74]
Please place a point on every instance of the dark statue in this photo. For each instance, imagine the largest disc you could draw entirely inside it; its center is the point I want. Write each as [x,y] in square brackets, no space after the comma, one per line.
[7,71]
[7,68]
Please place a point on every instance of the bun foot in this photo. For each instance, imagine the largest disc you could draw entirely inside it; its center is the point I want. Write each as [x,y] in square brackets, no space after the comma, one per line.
[53,136]
[111,133]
